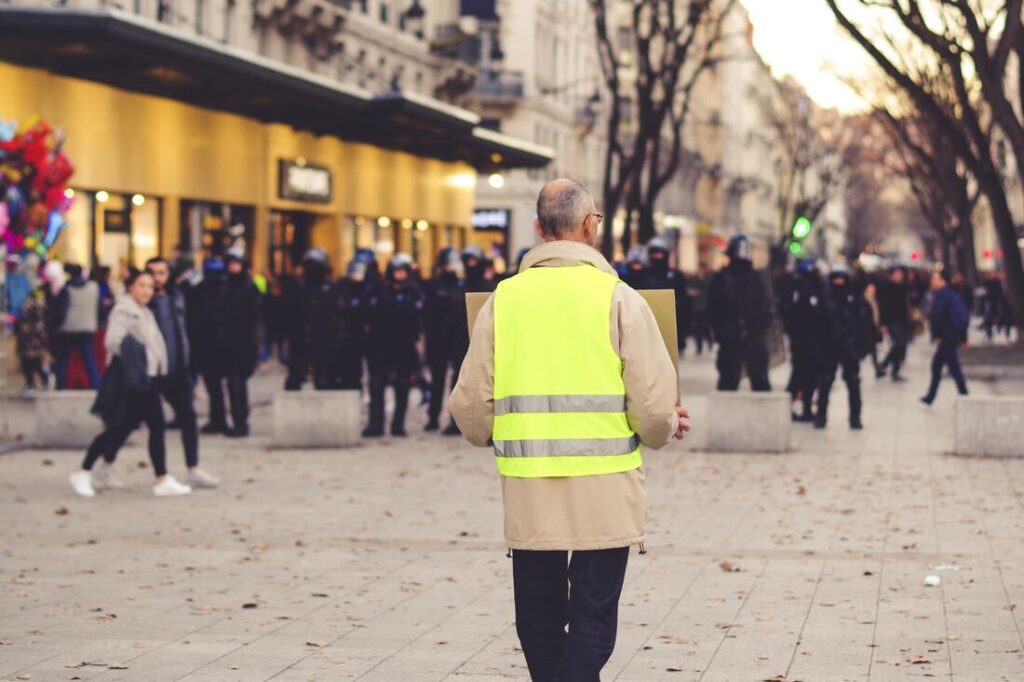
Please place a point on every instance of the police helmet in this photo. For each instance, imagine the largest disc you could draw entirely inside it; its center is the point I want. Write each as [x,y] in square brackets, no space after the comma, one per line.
[400,261]
[472,251]
[357,270]
[657,244]
[739,247]
[637,255]
[448,260]
[316,256]
[213,264]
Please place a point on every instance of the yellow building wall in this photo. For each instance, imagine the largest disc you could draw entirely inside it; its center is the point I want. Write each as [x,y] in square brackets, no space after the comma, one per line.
[127,142]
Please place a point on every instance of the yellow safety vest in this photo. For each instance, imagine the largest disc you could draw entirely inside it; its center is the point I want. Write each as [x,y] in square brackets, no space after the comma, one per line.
[559,397]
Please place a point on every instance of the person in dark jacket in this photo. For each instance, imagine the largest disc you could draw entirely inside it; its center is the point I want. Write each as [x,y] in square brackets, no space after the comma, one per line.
[804,313]
[740,307]
[845,338]
[224,338]
[346,317]
[394,328]
[447,333]
[634,271]
[949,322]
[475,270]
[275,323]
[178,388]
[135,343]
[311,331]
[661,275]
[894,320]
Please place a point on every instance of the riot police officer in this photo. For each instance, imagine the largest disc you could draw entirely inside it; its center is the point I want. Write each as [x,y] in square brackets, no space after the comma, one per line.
[845,339]
[395,319]
[740,308]
[661,276]
[312,327]
[635,271]
[446,330]
[347,317]
[804,313]
[475,266]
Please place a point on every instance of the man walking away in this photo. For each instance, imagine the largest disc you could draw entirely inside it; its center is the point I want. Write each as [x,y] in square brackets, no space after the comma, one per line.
[78,315]
[177,388]
[567,374]
[894,316]
[740,305]
[949,321]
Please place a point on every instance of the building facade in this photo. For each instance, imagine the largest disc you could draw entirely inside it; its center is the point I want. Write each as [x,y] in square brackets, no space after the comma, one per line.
[241,124]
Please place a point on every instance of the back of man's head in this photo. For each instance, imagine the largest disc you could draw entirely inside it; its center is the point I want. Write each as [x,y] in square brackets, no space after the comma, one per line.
[562,206]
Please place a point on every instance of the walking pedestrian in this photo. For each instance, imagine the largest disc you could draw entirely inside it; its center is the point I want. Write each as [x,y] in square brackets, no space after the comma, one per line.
[130,393]
[949,322]
[77,316]
[444,322]
[894,315]
[177,387]
[395,323]
[567,374]
[740,305]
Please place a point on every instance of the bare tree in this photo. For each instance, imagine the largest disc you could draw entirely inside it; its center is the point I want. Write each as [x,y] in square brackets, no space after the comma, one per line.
[958,83]
[870,212]
[669,44]
[809,170]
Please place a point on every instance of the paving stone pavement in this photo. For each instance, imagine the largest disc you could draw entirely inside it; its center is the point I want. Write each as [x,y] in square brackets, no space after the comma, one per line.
[385,562]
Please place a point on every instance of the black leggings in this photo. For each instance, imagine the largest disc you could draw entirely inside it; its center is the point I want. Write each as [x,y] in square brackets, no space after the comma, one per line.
[139,407]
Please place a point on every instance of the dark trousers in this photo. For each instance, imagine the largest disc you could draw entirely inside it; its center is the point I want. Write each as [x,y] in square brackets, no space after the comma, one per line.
[701,330]
[851,377]
[947,354]
[82,343]
[552,592]
[402,385]
[439,381]
[899,334]
[32,368]
[751,354]
[177,390]
[238,395]
[139,407]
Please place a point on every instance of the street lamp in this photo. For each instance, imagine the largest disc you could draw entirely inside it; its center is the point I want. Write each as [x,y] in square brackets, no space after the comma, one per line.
[413,19]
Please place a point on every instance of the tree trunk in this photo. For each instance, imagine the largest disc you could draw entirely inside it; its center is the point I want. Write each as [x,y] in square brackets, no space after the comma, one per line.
[1006,231]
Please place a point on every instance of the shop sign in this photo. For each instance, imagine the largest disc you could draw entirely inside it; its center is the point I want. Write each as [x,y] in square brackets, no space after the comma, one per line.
[117,221]
[303,181]
[492,219]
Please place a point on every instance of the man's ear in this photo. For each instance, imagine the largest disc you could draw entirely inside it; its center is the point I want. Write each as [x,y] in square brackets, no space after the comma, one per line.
[536,228]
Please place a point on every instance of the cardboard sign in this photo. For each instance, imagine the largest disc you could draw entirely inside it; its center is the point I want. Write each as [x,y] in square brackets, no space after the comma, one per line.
[662,302]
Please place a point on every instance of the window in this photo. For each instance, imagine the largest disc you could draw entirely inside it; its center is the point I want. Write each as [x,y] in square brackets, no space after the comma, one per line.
[364,6]
[200,10]
[384,15]
[229,17]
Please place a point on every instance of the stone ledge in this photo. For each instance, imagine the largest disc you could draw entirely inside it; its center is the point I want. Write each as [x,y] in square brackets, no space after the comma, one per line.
[992,426]
[316,419]
[748,422]
[63,419]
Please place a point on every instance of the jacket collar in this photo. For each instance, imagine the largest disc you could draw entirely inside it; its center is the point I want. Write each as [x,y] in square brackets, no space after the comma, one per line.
[565,254]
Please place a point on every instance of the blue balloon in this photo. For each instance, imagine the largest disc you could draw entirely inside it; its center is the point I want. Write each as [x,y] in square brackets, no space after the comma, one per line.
[54,225]
[7,130]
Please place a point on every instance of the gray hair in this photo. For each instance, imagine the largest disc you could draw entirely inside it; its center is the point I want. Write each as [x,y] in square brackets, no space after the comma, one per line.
[562,206]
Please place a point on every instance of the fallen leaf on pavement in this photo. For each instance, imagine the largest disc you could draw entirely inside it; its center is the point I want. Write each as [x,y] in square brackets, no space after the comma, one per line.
[318,643]
[250,605]
[728,567]
[918,660]
[61,511]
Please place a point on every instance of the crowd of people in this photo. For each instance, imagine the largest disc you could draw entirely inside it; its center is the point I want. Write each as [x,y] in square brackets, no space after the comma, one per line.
[397,329]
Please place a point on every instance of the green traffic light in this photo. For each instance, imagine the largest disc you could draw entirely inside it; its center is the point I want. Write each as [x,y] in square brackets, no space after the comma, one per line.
[795,248]
[801,228]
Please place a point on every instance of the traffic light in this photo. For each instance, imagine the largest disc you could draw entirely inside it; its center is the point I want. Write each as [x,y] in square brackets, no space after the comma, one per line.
[801,228]
[796,248]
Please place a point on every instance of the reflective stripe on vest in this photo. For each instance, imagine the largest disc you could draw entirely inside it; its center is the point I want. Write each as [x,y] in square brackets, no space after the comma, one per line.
[559,397]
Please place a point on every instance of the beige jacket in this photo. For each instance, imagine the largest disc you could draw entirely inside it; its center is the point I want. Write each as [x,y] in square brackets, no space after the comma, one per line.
[128,318]
[586,512]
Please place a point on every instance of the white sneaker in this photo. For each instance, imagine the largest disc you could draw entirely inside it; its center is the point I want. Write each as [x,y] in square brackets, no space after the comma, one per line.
[170,486]
[81,482]
[105,478]
[197,478]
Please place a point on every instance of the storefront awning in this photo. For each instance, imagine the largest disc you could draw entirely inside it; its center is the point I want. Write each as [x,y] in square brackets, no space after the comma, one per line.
[124,50]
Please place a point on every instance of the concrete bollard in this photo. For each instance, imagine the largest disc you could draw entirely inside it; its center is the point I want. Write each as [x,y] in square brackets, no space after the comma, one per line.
[63,419]
[316,419]
[748,422]
[990,425]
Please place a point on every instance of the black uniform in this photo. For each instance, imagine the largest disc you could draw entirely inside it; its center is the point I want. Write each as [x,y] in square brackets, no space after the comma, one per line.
[312,341]
[347,319]
[395,319]
[660,276]
[447,337]
[845,339]
[803,313]
[740,311]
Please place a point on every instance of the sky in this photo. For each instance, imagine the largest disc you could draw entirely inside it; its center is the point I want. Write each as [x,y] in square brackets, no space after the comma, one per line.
[801,38]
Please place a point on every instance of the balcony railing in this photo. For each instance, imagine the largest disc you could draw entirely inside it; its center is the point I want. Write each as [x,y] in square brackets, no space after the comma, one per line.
[498,87]
[450,41]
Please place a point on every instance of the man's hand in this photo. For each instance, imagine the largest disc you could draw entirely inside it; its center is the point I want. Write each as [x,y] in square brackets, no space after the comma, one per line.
[683,425]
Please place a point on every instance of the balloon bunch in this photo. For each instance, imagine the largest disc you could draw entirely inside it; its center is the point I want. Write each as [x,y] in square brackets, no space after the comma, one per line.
[33,186]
